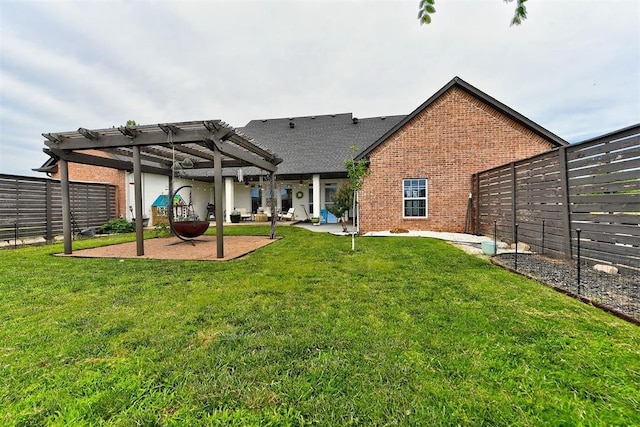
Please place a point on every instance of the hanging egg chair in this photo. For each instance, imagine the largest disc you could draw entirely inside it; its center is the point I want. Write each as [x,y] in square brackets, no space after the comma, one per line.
[188,226]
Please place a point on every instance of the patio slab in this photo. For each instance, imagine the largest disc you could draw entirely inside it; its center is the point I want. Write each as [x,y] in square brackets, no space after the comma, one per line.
[204,249]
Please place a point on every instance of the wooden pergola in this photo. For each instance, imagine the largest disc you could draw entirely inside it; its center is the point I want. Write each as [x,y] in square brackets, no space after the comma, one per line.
[156,149]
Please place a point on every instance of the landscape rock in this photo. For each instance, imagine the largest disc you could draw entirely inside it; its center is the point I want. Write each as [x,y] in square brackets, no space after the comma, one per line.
[522,247]
[618,292]
[606,268]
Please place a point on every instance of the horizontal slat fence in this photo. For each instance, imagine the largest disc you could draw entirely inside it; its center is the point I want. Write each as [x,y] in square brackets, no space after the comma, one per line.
[32,207]
[604,195]
[539,197]
[593,186]
[495,196]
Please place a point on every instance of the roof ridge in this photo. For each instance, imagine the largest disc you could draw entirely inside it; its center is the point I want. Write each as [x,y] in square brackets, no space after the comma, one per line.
[311,117]
[349,116]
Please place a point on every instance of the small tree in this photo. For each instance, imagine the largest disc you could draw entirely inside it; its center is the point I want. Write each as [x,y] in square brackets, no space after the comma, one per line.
[346,196]
[357,172]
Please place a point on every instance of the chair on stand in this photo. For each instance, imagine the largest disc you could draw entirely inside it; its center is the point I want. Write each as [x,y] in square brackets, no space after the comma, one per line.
[288,216]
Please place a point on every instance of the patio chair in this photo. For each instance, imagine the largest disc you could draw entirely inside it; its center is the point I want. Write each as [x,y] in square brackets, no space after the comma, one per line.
[288,216]
[244,215]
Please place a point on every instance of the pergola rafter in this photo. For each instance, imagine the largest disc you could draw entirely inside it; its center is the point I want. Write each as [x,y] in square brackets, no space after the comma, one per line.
[155,149]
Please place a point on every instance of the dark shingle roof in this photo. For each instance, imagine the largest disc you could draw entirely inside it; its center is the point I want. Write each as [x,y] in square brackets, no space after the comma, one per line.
[317,144]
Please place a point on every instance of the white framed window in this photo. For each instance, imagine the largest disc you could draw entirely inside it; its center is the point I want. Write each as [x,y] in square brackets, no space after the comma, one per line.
[414,198]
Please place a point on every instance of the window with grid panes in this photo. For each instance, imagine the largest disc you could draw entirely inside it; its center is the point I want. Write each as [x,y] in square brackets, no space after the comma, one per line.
[414,198]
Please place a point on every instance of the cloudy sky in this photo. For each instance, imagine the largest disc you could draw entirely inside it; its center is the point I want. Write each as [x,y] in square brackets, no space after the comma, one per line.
[573,66]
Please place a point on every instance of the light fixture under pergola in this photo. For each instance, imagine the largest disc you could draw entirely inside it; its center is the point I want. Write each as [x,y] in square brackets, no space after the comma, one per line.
[210,144]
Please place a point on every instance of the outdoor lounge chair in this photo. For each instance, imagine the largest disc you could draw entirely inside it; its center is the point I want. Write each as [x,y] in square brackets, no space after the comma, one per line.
[244,215]
[289,216]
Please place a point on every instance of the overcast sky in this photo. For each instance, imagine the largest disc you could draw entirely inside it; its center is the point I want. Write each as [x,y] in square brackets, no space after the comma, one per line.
[573,66]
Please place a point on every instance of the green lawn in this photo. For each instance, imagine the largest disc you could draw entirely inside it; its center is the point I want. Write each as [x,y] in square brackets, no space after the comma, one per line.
[405,331]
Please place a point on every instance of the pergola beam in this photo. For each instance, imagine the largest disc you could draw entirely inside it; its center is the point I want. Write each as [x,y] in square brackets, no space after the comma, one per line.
[114,140]
[145,155]
[226,163]
[52,137]
[89,134]
[192,151]
[129,131]
[168,127]
[246,143]
[88,159]
[238,154]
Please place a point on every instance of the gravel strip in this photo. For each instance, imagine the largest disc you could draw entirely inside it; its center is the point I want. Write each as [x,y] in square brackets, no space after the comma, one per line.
[619,293]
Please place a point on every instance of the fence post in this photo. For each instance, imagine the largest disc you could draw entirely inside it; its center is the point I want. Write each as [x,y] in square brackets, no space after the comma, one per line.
[513,200]
[542,237]
[477,203]
[578,256]
[495,237]
[566,214]
[515,263]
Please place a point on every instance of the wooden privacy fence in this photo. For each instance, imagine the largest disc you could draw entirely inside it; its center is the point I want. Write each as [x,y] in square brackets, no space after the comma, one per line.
[593,186]
[32,207]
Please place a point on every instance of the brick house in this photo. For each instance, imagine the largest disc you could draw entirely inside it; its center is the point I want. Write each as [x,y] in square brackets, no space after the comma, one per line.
[420,164]
[421,169]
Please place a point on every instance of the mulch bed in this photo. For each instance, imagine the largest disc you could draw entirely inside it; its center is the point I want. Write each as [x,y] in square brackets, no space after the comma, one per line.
[203,249]
[619,293]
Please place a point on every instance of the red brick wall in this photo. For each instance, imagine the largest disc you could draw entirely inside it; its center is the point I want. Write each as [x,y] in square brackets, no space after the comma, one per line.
[454,137]
[88,173]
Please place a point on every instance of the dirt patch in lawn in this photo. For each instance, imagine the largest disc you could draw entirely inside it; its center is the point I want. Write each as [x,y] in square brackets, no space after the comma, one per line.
[203,249]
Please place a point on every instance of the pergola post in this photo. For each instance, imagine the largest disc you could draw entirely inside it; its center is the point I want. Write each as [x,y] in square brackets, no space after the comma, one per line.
[217,188]
[137,185]
[170,202]
[274,217]
[66,206]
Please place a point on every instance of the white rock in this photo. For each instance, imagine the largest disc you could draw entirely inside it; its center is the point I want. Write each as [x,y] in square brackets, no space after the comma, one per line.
[606,268]
[522,247]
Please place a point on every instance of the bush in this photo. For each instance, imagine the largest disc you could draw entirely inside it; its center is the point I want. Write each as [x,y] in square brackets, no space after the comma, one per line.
[162,229]
[117,226]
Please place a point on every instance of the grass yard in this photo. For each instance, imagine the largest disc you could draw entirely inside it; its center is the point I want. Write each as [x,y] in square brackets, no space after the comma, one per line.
[405,331]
